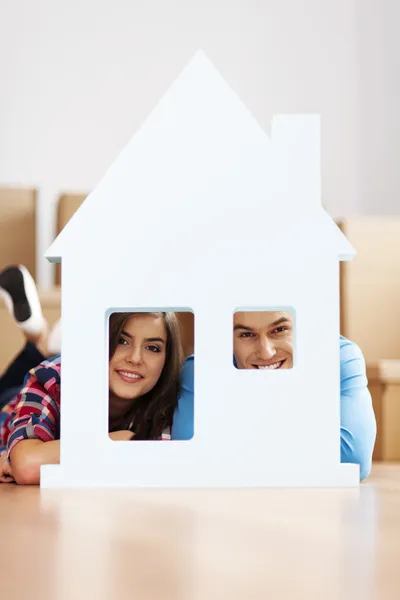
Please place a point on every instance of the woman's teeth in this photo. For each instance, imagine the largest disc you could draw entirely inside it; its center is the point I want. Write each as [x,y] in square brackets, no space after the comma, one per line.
[130,375]
[274,366]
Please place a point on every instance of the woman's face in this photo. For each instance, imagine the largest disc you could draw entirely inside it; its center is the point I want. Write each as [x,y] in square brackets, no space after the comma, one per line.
[139,357]
[263,340]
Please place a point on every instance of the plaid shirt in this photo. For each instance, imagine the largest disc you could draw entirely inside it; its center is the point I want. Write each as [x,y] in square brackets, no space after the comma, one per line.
[35,412]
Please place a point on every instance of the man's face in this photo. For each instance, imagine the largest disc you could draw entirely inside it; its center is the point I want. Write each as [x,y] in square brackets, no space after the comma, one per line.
[263,340]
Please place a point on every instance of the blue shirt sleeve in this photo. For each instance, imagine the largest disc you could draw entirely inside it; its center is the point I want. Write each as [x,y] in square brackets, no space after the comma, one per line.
[183,423]
[357,418]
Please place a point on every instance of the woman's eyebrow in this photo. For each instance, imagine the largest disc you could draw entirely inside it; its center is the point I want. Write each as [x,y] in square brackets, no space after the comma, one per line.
[153,339]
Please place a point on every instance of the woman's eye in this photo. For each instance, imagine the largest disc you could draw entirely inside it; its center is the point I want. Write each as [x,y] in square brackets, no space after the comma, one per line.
[123,342]
[153,348]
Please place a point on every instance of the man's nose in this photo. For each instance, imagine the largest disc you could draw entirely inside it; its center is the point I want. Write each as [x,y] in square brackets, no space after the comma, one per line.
[266,349]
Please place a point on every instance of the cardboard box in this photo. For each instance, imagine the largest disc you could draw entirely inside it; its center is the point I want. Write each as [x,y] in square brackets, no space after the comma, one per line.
[370,287]
[384,385]
[68,204]
[18,228]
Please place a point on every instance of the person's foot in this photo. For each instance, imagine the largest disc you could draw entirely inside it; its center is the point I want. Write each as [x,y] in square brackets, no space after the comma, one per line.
[21,298]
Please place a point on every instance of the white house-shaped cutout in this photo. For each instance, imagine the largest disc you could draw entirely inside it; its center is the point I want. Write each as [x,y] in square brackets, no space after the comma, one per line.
[205,211]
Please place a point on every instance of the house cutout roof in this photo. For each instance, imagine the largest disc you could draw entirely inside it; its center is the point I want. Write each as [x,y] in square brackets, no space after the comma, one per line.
[201,168]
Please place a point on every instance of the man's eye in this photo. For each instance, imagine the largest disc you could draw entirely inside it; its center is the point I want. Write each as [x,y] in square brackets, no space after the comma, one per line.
[280,329]
[246,334]
[153,348]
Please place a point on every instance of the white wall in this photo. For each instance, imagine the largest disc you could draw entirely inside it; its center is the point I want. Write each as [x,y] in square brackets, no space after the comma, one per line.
[378,85]
[77,78]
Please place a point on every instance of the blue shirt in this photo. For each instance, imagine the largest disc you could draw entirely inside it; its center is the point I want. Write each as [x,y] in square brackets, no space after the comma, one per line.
[357,418]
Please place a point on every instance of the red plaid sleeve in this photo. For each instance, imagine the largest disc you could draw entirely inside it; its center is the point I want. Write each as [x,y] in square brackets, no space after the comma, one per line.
[37,411]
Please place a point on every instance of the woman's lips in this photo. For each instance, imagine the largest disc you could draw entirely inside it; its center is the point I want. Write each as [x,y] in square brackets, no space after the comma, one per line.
[130,376]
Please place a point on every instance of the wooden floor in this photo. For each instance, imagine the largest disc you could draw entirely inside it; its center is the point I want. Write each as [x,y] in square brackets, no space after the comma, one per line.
[245,545]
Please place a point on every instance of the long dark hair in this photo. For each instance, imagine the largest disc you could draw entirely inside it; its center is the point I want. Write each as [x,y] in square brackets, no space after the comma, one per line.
[151,413]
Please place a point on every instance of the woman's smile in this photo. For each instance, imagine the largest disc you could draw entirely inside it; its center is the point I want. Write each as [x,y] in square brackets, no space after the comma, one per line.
[130,376]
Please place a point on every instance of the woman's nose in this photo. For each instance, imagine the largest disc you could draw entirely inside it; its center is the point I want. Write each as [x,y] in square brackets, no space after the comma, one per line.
[135,356]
